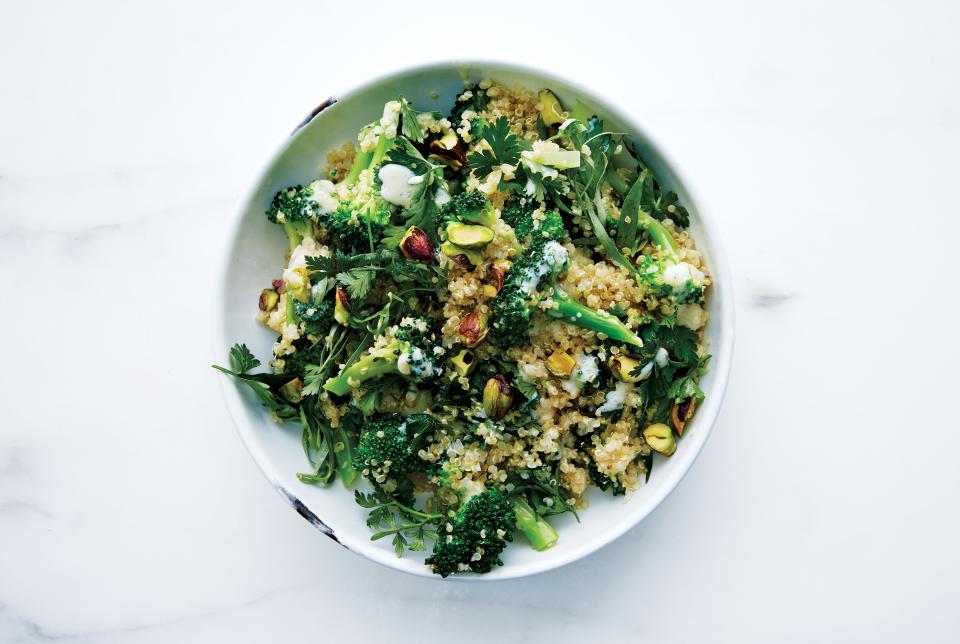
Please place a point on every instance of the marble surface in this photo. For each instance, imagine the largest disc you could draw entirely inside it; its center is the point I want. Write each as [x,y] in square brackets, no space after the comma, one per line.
[824,508]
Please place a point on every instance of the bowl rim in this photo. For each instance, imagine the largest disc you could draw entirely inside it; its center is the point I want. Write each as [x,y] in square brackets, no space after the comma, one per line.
[722,352]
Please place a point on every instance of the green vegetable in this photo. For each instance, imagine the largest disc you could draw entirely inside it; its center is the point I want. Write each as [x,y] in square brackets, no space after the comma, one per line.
[388,446]
[535,528]
[518,213]
[531,286]
[410,353]
[471,206]
[473,539]
[295,209]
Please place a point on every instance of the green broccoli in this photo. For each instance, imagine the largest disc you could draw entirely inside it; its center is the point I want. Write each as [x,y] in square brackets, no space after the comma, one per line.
[317,317]
[531,285]
[357,223]
[389,444]
[519,214]
[412,351]
[472,99]
[295,209]
[474,537]
[535,528]
[352,211]
[472,207]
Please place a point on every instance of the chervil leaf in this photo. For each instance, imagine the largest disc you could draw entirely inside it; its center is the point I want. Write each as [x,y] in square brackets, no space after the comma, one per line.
[504,148]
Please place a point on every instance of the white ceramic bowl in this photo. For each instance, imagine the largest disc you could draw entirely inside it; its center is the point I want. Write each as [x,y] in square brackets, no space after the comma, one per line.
[255,256]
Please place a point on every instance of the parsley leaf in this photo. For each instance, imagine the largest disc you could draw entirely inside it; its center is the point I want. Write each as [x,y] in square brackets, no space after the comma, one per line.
[504,148]
[392,236]
[357,281]
[407,155]
[680,341]
[242,359]
[410,126]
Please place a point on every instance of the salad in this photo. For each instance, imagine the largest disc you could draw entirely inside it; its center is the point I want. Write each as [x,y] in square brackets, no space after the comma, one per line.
[483,313]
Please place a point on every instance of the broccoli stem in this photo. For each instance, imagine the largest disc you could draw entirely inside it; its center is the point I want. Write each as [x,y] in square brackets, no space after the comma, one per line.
[360,163]
[368,159]
[569,310]
[296,231]
[535,528]
[371,366]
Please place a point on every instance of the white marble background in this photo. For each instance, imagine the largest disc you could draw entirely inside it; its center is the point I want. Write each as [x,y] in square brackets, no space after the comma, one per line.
[823,135]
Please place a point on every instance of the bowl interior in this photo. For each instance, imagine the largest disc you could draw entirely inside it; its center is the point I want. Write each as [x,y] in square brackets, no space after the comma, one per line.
[255,256]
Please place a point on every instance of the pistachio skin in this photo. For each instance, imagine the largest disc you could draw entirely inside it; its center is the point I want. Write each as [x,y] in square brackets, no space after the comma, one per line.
[416,245]
[497,397]
[473,329]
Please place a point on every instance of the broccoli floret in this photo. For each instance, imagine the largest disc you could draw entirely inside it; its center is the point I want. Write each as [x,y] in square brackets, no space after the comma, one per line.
[356,229]
[472,206]
[474,537]
[317,317]
[353,211]
[475,101]
[531,285]
[389,444]
[519,216]
[413,351]
[295,209]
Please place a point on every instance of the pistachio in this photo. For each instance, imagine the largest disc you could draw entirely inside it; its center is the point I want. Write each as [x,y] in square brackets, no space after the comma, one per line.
[561,364]
[268,299]
[278,286]
[469,255]
[549,107]
[625,368]
[660,438]
[469,235]
[449,147]
[499,271]
[497,397]
[464,362]
[416,245]
[490,290]
[341,307]
[292,391]
[682,412]
[473,329]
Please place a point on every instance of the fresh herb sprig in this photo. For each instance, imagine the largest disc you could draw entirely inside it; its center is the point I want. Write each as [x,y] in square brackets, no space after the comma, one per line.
[504,148]
[388,517]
